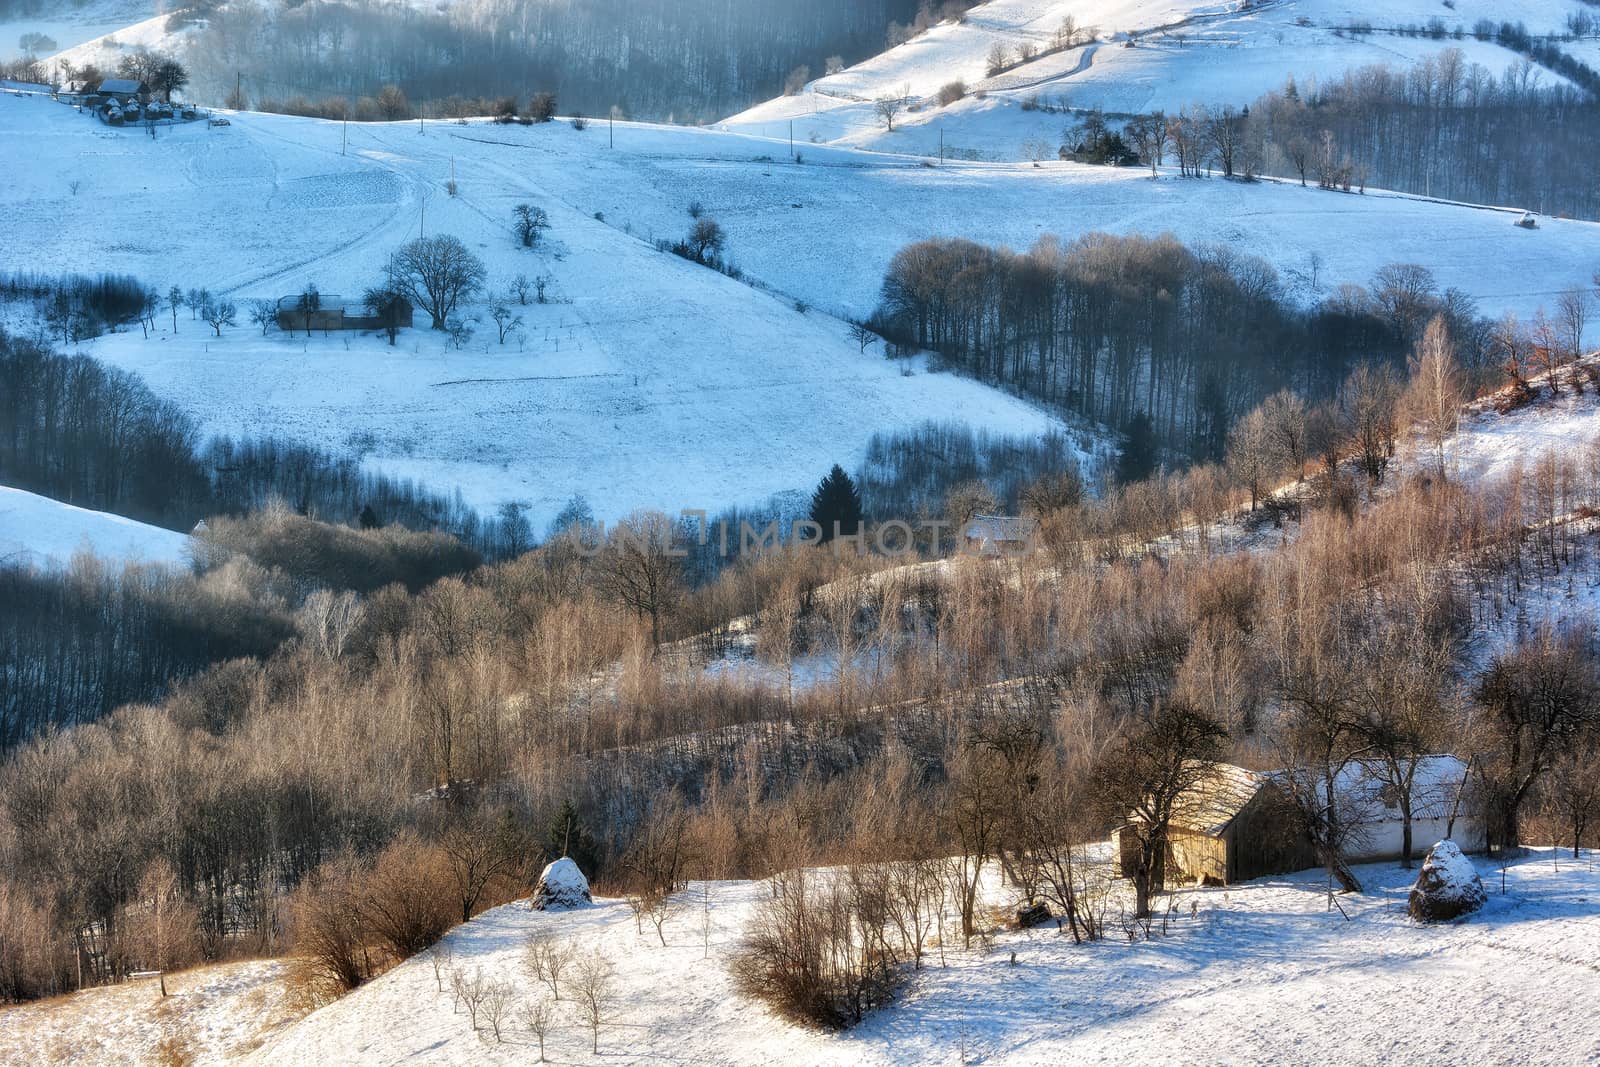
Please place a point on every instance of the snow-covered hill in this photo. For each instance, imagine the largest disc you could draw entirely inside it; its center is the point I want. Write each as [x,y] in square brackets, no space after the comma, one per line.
[1263,972]
[37,530]
[648,380]
[1130,56]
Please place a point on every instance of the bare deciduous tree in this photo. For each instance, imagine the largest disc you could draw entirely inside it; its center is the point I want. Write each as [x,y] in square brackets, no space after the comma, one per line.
[436,273]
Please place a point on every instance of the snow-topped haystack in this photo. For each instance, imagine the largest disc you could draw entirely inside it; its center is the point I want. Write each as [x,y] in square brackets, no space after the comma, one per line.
[1448,886]
[562,885]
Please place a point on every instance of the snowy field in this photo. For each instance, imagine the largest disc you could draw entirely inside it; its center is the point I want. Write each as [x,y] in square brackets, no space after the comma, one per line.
[70,23]
[1257,973]
[647,381]
[211,1015]
[1132,56]
[44,532]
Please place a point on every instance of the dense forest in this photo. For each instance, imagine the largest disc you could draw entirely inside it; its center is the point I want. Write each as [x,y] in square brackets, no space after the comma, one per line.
[688,60]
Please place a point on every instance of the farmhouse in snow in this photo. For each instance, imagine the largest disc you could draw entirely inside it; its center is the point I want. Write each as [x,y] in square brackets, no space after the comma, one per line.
[335,313]
[123,91]
[1238,824]
[999,535]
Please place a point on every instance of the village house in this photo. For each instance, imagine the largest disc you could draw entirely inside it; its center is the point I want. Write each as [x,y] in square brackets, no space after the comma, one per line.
[1238,824]
[999,535]
[122,90]
[335,313]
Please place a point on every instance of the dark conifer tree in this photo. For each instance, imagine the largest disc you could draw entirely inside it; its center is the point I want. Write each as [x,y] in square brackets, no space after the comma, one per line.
[836,505]
[1137,460]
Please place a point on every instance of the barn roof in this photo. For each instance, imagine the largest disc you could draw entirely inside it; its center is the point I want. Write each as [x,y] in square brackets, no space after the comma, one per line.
[1217,798]
[121,85]
[325,302]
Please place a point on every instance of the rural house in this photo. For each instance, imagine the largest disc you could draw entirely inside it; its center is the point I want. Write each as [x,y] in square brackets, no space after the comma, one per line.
[1238,824]
[999,535]
[335,313]
[123,91]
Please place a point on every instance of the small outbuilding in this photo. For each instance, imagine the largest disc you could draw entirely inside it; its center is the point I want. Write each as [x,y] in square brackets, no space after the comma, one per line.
[999,535]
[1232,825]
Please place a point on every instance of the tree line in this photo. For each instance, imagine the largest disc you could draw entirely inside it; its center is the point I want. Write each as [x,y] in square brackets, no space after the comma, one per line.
[655,60]
[1122,328]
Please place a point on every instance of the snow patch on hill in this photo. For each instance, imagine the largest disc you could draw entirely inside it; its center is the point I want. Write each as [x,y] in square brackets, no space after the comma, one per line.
[43,532]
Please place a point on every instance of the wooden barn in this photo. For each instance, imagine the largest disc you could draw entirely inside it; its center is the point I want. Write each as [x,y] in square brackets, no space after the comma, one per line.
[1234,825]
[1238,824]
[335,313]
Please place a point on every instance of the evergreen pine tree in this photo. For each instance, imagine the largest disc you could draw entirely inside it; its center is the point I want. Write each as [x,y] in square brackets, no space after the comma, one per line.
[569,837]
[369,518]
[1137,460]
[836,501]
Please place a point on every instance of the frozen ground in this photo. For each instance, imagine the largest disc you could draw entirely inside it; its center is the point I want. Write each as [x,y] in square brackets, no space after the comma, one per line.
[212,1015]
[1257,973]
[45,532]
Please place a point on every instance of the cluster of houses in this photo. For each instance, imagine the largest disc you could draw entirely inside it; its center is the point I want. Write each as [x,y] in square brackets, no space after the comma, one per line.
[119,101]
[1236,824]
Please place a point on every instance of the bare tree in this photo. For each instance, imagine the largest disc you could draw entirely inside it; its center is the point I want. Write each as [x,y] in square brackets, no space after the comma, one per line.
[641,567]
[547,959]
[887,108]
[539,1015]
[999,59]
[706,238]
[1367,405]
[440,956]
[498,997]
[1141,780]
[529,222]
[521,288]
[220,313]
[1252,457]
[164,928]
[436,273]
[1572,315]
[1434,397]
[474,992]
[596,993]
[263,313]
[862,336]
[505,320]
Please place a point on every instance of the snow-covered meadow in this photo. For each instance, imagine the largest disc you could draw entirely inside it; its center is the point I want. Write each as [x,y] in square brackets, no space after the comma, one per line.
[1263,972]
[647,381]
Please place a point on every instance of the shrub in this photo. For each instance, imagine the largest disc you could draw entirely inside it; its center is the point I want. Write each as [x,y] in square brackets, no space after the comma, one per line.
[409,903]
[950,92]
[805,955]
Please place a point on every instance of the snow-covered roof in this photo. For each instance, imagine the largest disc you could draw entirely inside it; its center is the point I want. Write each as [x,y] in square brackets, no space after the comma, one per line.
[121,85]
[1000,529]
[1364,785]
[1217,798]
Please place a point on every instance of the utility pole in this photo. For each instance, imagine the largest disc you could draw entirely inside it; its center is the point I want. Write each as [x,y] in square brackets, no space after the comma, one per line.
[941,146]
[791,138]
[238,85]
[611,129]
[344,142]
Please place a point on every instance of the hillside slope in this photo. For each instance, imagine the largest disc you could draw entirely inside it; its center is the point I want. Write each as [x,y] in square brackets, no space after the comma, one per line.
[35,529]
[645,381]
[1130,56]
[1262,972]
